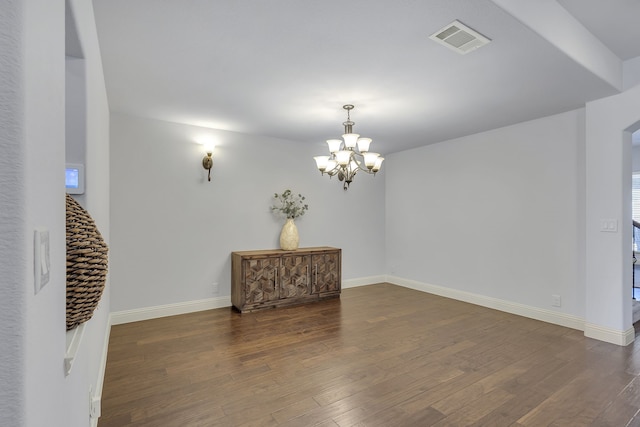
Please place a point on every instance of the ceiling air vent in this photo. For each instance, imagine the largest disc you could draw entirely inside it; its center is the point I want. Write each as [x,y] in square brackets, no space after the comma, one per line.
[459,37]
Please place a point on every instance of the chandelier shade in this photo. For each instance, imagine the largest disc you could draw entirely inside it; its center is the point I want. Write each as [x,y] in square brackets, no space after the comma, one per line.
[350,140]
[343,157]
[370,159]
[349,155]
[322,162]
[334,145]
[363,144]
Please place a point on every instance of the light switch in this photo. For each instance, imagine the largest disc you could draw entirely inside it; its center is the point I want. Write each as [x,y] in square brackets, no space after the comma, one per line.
[609,225]
[41,262]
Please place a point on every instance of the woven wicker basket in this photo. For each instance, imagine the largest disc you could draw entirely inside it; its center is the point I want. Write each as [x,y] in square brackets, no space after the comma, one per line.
[87,264]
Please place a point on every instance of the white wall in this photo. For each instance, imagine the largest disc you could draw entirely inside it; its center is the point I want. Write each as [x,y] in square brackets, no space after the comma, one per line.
[635,159]
[609,124]
[34,390]
[44,141]
[173,232]
[88,369]
[498,214]
[165,214]
[13,236]
[631,72]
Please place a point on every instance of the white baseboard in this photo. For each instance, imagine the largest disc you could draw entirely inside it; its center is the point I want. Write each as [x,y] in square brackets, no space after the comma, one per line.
[363,281]
[574,322]
[613,336]
[96,395]
[600,333]
[548,316]
[146,313]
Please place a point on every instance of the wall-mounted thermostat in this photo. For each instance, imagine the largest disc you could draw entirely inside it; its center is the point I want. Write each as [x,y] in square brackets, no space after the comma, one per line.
[74,178]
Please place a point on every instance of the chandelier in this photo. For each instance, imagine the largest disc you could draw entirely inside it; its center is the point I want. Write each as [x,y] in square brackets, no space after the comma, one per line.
[349,156]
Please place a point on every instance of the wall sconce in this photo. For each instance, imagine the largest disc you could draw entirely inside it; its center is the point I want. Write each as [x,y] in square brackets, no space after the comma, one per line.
[207,161]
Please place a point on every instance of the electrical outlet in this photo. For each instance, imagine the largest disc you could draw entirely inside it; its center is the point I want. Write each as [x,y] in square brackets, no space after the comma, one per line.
[556,301]
[216,288]
[95,410]
[94,404]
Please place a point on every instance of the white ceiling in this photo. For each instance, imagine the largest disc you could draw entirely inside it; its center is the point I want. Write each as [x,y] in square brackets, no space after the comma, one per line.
[614,22]
[284,68]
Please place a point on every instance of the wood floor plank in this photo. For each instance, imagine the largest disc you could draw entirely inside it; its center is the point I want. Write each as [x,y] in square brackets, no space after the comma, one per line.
[476,409]
[624,406]
[579,402]
[380,355]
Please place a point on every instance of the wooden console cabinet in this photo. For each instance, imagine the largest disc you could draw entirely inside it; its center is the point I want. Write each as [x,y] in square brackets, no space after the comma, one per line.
[276,278]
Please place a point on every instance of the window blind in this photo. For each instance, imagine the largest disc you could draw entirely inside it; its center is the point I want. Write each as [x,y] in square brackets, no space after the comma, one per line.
[635,194]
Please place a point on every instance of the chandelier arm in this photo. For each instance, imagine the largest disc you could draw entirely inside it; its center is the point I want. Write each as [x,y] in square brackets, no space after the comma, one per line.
[360,162]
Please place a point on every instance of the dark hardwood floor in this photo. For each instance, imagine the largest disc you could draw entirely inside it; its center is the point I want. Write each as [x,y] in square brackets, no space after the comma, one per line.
[381,355]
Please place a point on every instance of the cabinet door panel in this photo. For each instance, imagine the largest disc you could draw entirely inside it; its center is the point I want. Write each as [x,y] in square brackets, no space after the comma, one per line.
[326,268]
[295,276]
[261,276]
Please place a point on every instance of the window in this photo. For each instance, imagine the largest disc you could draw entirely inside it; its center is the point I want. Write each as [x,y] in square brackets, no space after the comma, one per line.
[635,207]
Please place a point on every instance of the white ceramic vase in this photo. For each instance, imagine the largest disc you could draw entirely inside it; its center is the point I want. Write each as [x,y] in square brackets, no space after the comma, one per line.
[289,238]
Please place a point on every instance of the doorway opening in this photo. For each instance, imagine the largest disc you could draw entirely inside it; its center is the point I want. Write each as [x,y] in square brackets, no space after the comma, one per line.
[635,214]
